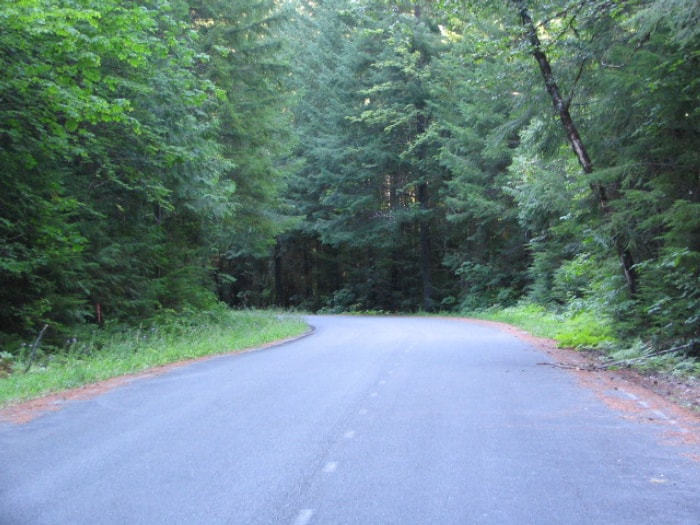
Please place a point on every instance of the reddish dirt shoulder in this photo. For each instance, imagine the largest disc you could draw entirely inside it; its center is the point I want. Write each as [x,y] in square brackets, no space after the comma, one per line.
[26,411]
[647,398]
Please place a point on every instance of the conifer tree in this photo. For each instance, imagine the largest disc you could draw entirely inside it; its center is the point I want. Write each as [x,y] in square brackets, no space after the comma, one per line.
[367,163]
[246,63]
[475,106]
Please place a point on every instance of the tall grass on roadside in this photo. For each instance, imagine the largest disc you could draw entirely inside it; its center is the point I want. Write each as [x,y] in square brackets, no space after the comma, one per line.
[95,354]
[580,329]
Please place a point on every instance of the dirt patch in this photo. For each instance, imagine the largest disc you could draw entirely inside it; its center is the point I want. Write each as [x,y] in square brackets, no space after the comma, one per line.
[646,398]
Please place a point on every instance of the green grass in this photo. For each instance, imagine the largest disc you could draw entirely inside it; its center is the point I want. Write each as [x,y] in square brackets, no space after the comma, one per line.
[94,354]
[573,330]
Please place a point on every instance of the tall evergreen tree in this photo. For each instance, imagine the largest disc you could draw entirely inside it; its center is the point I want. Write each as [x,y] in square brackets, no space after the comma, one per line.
[246,62]
[367,174]
[476,110]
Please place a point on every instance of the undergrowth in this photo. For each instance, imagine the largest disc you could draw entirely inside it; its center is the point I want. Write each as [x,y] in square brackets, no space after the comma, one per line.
[579,329]
[94,354]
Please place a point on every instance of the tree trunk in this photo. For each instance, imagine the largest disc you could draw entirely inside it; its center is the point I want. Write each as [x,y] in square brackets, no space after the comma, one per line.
[562,108]
[280,299]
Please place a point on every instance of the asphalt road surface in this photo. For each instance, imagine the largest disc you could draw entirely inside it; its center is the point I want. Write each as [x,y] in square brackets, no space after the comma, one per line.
[369,421]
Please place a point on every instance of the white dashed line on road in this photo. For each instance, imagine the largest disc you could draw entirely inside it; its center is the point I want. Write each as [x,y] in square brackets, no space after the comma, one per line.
[631,396]
[304,517]
[661,415]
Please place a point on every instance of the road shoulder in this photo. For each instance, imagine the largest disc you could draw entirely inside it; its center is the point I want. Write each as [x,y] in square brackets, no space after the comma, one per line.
[647,398]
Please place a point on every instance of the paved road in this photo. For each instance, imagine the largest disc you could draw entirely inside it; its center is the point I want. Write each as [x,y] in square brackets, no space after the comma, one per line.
[368,421]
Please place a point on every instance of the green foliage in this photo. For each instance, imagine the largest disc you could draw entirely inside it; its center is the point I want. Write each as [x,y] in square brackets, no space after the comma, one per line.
[585,329]
[627,70]
[571,329]
[372,155]
[343,301]
[533,318]
[369,183]
[473,107]
[671,295]
[134,148]
[247,61]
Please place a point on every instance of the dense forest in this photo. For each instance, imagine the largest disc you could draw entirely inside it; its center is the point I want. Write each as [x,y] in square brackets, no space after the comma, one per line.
[350,155]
